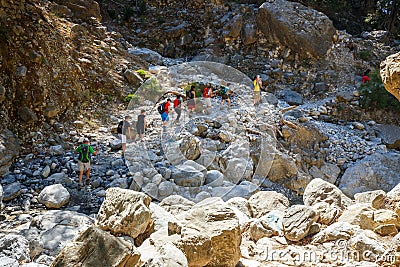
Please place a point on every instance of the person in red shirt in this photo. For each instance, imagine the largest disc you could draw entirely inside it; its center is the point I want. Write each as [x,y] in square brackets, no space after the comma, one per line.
[177,107]
[365,78]
[207,94]
[164,115]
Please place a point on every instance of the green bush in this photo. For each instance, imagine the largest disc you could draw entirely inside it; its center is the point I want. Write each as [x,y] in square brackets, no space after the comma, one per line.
[365,55]
[374,95]
[143,74]
[131,97]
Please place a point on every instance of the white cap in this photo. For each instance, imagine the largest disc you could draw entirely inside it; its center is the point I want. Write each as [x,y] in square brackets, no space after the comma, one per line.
[85,139]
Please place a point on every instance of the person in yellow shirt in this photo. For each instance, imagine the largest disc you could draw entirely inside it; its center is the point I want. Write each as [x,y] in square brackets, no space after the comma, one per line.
[257,82]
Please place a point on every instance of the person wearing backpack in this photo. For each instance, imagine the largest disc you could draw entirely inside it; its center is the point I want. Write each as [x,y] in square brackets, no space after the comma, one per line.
[257,83]
[224,91]
[177,108]
[191,96]
[124,127]
[163,109]
[85,151]
[207,94]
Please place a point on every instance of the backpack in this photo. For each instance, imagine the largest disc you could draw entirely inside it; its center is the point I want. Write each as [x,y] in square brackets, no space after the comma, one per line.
[84,155]
[120,126]
[160,108]
[223,90]
[206,92]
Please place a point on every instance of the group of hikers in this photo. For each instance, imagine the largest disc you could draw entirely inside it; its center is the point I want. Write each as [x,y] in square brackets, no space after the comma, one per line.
[124,127]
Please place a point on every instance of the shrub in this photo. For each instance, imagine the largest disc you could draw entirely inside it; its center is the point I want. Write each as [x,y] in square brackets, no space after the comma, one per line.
[364,55]
[143,74]
[131,97]
[374,95]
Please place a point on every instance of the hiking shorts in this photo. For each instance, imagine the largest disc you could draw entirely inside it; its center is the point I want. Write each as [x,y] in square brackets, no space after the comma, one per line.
[83,166]
[164,116]
[123,138]
[207,101]
[257,95]
[140,129]
[225,96]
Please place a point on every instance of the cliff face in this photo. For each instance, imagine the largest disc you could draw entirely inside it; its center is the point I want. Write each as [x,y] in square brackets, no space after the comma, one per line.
[390,73]
[55,60]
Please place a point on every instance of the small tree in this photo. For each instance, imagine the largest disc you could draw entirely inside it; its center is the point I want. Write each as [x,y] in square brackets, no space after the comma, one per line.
[374,95]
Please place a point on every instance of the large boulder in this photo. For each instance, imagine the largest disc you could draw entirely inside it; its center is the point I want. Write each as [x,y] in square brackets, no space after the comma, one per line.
[261,203]
[9,150]
[390,135]
[374,172]
[297,222]
[211,229]
[390,73]
[124,212]
[176,204]
[96,247]
[82,9]
[56,228]
[305,30]
[54,196]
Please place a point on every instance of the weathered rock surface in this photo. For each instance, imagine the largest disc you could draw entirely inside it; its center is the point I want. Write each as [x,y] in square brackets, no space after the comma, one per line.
[54,196]
[104,250]
[390,73]
[297,222]
[9,150]
[124,212]
[374,172]
[313,31]
[261,203]
[210,221]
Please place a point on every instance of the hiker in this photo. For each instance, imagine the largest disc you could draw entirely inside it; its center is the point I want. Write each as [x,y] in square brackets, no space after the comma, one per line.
[191,95]
[257,82]
[141,125]
[365,78]
[177,107]
[165,110]
[224,91]
[207,94]
[85,151]
[124,127]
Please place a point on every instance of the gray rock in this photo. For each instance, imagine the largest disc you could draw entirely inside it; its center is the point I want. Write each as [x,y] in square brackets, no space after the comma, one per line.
[54,196]
[15,247]
[147,54]
[374,172]
[390,135]
[57,228]
[11,191]
[8,262]
[115,144]
[165,189]
[297,222]
[46,171]
[119,182]
[60,178]
[201,196]
[9,150]
[214,178]
[292,98]
[56,150]
[27,115]
[184,175]
[249,34]
[304,30]
[151,190]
